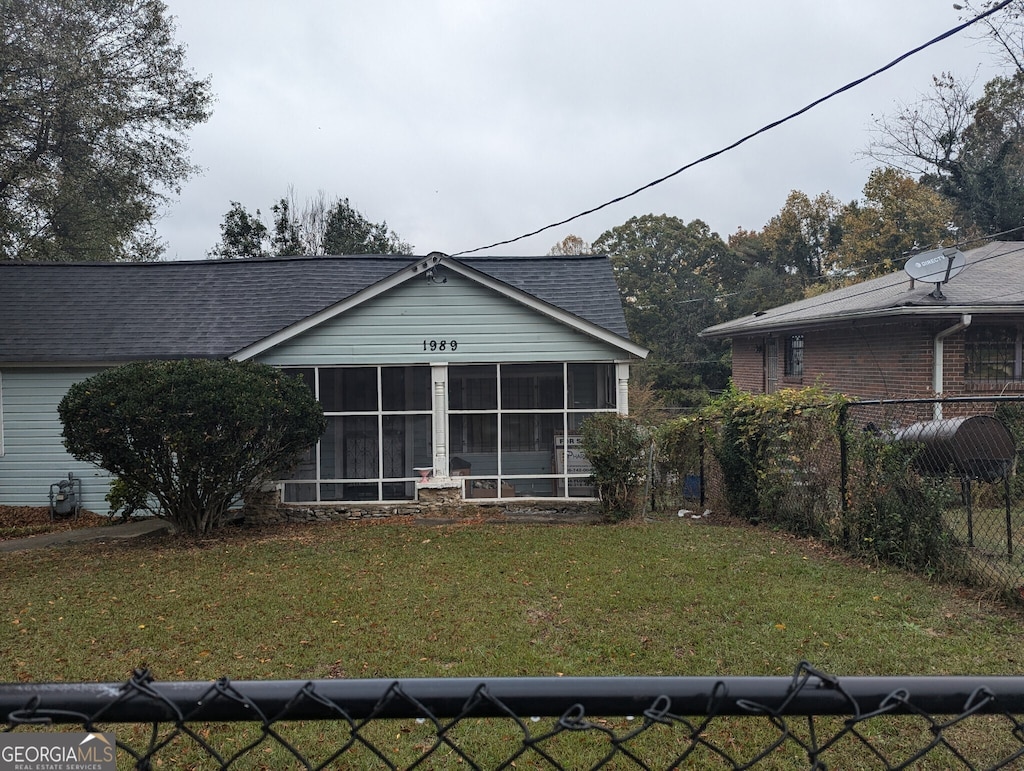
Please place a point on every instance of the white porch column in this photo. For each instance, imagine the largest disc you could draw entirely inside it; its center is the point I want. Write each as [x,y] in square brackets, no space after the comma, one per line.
[622,388]
[439,406]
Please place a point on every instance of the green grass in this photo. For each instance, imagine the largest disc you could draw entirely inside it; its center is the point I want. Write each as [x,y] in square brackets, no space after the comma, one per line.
[401,600]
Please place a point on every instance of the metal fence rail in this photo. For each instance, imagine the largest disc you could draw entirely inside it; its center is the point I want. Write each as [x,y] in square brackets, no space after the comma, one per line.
[808,720]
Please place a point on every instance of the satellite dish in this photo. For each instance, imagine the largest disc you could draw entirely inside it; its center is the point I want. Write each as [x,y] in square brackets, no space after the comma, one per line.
[937,266]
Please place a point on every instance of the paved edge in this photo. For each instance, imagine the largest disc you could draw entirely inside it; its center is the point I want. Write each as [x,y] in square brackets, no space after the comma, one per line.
[105,533]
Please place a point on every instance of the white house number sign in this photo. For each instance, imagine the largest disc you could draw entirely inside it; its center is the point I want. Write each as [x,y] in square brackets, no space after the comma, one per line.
[440,345]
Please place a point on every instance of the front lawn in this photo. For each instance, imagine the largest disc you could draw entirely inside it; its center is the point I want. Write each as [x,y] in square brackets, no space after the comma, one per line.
[401,600]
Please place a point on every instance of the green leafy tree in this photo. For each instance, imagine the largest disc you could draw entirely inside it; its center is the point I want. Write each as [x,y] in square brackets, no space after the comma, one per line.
[751,281]
[300,229]
[803,237]
[193,437]
[242,235]
[748,252]
[991,179]
[287,238]
[969,150]
[319,227]
[667,274]
[897,216]
[95,103]
[347,231]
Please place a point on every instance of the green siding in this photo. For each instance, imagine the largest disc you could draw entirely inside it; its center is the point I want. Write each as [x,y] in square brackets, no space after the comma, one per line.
[486,325]
[390,329]
[34,456]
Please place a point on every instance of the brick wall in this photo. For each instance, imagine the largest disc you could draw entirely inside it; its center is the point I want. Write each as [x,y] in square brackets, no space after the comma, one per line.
[748,364]
[867,361]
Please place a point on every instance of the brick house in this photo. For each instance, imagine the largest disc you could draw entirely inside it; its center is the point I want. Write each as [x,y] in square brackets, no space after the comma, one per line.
[893,337]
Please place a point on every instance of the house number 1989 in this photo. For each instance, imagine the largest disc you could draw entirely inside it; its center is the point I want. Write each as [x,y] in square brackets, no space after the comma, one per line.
[440,345]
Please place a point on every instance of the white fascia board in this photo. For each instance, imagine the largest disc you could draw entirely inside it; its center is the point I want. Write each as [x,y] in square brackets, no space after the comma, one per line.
[289,332]
[409,272]
[551,311]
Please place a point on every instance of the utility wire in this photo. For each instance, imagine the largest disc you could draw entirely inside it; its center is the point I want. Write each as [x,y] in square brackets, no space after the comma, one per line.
[959,28]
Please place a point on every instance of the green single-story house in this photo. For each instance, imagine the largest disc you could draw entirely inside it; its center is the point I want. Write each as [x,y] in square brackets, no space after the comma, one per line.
[478,369]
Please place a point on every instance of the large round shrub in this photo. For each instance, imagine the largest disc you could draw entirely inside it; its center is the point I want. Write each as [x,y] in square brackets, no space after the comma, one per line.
[193,436]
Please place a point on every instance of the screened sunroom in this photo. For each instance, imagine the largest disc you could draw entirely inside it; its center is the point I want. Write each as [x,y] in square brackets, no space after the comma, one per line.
[503,430]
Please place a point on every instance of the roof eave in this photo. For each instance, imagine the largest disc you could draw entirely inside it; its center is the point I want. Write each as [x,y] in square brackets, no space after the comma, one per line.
[551,311]
[732,329]
[100,362]
[299,327]
[419,268]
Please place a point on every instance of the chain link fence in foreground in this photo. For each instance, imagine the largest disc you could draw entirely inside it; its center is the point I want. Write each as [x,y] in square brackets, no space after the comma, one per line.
[809,720]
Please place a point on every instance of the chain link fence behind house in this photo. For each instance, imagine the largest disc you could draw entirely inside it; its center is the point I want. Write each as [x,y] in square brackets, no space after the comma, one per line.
[942,475]
[810,720]
[926,484]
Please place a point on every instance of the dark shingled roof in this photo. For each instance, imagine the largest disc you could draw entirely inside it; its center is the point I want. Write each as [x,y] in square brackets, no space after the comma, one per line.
[992,282]
[111,312]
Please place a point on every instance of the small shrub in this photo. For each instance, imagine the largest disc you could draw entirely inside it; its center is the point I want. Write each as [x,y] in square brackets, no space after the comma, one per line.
[126,499]
[895,514]
[616,447]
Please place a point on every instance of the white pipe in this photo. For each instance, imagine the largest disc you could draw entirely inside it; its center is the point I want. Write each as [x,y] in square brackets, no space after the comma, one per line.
[937,357]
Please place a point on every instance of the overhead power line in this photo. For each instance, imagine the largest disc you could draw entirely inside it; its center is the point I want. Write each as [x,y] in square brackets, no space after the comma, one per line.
[853,84]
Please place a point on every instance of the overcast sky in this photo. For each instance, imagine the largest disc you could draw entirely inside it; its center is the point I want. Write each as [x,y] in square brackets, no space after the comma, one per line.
[466,122]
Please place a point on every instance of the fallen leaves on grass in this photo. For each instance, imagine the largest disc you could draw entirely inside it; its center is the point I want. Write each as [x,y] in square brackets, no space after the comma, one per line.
[23,521]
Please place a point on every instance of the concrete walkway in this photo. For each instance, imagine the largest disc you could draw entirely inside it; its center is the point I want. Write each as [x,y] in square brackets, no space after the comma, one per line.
[142,528]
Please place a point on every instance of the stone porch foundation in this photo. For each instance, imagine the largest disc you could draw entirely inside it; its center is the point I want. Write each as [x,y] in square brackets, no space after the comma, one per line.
[437,501]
